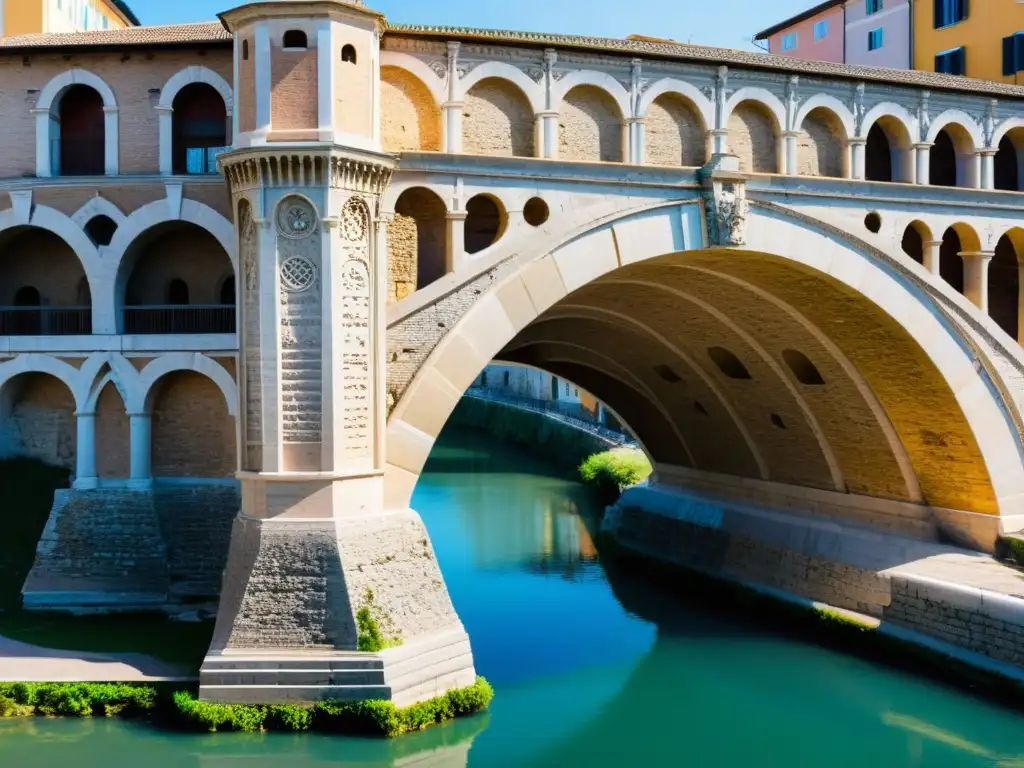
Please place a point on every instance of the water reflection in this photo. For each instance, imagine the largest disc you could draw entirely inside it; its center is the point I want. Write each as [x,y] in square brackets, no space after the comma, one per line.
[592,666]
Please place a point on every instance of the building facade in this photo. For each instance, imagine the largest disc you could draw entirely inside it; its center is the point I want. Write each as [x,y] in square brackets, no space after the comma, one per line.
[817,34]
[250,266]
[27,17]
[979,39]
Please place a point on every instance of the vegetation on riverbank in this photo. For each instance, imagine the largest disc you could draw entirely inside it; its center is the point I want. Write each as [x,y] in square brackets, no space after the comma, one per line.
[611,472]
[28,488]
[181,709]
[370,637]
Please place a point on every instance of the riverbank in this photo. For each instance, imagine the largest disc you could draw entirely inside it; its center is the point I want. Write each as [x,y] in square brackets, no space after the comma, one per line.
[955,614]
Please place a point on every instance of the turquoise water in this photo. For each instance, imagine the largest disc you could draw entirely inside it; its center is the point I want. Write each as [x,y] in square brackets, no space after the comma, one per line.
[591,667]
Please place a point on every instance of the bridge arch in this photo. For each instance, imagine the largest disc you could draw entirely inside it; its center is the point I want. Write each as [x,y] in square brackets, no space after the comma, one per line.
[956,424]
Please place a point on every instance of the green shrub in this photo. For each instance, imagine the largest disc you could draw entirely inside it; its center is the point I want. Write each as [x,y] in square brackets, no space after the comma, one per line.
[370,638]
[11,708]
[1010,548]
[613,471]
[81,699]
[358,717]
[209,716]
[289,717]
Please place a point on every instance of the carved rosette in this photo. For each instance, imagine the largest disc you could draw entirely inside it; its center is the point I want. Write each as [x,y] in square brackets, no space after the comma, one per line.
[301,322]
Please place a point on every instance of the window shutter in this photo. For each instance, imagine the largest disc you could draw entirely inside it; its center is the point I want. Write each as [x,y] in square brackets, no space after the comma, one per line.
[940,63]
[960,56]
[1018,56]
[937,15]
[963,10]
[1009,55]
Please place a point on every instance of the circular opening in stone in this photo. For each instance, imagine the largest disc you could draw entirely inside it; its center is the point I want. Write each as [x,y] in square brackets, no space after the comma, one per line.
[536,212]
[873,222]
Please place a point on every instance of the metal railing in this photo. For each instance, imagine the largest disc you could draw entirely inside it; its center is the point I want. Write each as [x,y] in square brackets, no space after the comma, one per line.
[573,414]
[45,321]
[176,318]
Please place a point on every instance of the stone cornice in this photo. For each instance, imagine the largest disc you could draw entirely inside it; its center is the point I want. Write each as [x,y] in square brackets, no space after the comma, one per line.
[350,9]
[356,170]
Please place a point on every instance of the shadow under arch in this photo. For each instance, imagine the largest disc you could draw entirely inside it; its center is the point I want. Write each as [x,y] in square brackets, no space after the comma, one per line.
[884,334]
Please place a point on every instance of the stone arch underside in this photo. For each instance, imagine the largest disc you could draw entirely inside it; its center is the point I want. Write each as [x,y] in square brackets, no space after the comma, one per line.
[637,336]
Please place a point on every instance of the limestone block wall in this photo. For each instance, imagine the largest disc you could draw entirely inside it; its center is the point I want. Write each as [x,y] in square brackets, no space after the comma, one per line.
[590,126]
[410,119]
[820,146]
[675,133]
[497,120]
[752,138]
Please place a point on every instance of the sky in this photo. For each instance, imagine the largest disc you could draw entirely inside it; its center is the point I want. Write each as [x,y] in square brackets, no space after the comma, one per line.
[726,23]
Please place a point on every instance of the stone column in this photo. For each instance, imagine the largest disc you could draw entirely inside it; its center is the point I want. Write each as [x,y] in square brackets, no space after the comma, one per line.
[976,277]
[85,457]
[546,136]
[719,141]
[988,167]
[455,239]
[637,127]
[112,146]
[140,429]
[857,158]
[930,250]
[924,156]
[790,152]
[451,119]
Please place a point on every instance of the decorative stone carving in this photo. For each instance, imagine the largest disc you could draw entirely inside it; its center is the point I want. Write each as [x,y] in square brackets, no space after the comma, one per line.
[252,446]
[356,352]
[857,107]
[295,218]
[439,68]
[297,274]
[725,201]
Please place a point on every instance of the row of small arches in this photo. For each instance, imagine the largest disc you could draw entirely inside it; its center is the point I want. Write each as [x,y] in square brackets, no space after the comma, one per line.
[499,120]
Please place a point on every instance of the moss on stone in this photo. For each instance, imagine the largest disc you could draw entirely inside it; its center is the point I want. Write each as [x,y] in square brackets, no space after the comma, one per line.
[370,638]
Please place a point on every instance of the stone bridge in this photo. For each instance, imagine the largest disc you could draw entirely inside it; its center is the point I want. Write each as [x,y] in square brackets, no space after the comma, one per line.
[797,283]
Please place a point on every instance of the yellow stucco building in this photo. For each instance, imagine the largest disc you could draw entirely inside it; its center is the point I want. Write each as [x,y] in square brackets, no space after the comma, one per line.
[26,17]
[981,39]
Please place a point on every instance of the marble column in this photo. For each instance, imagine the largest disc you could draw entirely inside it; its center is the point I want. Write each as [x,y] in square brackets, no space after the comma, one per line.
[85,456]
[924,156]
[976,277]
[930,253]
[140,430]
[857,158]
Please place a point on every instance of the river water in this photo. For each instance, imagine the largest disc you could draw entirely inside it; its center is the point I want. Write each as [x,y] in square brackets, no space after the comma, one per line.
[591,668]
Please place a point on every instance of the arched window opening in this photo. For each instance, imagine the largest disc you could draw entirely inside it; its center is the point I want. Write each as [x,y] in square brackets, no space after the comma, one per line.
[416,243]
[177,292]
[43,289]
[728,363]
[200,129]
[227,292]
[821,144]
[294,39]
[348,54]
[675,133]
[77,133]
[554,387]
[873,222]
[753,137]
[942,162]
[38,414]
[590,126]
[245,50]
[913,244]
[951,264]
[485,221]
[1004,285]
[101,229]
[802,367]
[877,155]
[497,120]
[172,280]
[1008,164]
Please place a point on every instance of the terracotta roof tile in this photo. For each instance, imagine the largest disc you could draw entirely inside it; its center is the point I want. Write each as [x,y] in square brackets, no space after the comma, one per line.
[709,55]
[175,34]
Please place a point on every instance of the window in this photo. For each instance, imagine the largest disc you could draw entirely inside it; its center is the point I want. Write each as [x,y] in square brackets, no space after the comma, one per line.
[348,54]
[294,39]
[952,62]
[875,39]
[789,41]
[245,50]
[949,12]
[567,389]
[177,292]
[872,6]
[1013,53]
[820,29]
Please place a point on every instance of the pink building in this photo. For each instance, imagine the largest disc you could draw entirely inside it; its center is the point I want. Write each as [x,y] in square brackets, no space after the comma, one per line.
[870,32]
[818,34]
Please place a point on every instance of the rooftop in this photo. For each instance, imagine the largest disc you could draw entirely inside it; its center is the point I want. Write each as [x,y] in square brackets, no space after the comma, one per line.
[122,6]
[214,33]
[803,15]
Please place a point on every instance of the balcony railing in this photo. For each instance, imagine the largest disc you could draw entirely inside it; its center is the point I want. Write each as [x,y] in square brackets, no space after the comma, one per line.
[193,318]
[45,321]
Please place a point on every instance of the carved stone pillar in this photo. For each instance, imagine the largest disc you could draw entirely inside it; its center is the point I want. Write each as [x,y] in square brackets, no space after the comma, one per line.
[312,544]
[725,200]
